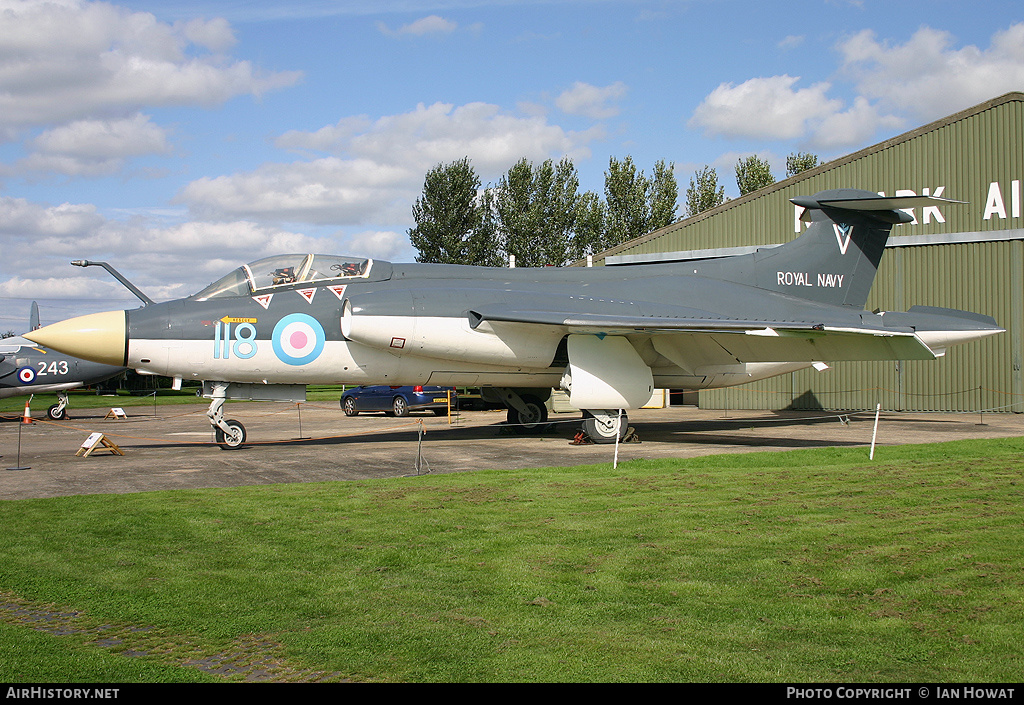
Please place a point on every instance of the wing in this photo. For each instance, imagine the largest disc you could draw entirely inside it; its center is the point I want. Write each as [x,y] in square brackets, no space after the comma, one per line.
[732,340]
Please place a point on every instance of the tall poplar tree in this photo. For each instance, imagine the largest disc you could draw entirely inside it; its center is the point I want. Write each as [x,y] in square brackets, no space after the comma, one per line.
[453,222]
[800,161]
[753,173]
[704,192]
[636,204]
[535,209]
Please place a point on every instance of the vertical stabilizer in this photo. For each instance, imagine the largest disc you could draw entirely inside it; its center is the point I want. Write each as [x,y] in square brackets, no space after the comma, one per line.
[835,260]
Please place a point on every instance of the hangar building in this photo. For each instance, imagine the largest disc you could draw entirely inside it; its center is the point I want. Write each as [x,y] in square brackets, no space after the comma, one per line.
[968,257]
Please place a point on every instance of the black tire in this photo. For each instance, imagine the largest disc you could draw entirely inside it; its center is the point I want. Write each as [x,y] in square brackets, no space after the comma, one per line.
[348,405]
[399,406]
[605,433]
[534,420]
[55,413]
[235,440]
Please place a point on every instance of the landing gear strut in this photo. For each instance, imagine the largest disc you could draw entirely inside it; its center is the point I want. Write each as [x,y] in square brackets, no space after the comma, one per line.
[527,412]
[230,433]
[59,411]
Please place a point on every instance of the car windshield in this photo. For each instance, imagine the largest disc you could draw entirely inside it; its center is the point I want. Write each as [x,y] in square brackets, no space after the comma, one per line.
[282,270]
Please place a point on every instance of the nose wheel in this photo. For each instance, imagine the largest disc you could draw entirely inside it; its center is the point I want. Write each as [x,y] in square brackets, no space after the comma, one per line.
[230,434]
[231,438]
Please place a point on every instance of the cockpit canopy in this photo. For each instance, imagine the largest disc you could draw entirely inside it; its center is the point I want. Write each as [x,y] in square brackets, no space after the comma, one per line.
[271,273]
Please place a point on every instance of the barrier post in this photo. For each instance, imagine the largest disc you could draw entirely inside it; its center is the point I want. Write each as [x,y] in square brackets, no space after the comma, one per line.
[874,434]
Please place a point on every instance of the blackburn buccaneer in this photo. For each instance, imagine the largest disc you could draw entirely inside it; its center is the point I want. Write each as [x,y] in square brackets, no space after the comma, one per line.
[29,368]
[608,336]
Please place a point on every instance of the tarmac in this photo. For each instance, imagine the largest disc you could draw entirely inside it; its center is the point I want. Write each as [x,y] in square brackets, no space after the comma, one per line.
[172,447]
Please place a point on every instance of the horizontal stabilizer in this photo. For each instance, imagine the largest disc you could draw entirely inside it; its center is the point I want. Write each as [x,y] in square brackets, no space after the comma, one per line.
[869,203]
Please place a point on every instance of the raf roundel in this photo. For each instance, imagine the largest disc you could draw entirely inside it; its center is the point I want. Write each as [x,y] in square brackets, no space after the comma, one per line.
[27,375]
[298,339]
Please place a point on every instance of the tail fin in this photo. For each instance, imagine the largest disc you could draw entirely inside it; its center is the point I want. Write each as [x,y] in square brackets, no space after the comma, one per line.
[835,260]
[33,317]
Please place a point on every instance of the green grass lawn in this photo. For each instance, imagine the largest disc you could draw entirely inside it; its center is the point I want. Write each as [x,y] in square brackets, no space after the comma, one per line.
[804,566]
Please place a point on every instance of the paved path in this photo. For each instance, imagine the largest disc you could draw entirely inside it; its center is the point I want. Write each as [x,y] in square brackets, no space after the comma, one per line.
[174,449]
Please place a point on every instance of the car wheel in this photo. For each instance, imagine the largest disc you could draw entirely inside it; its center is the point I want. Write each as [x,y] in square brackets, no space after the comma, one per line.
[348,405]
[400,407]
[232,440]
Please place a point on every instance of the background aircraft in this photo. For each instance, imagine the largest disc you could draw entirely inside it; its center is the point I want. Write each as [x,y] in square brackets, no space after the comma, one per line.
[29,368]
[607,335]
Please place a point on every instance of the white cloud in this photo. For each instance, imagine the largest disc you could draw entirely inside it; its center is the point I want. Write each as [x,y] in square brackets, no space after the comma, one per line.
[922,79]
[765,108]
[376,168]
[854,126]
[425,25]
[95,147]
[164,261]
[791,42]
[927,78]
[380,244]
[28,220]
[591,101]
[66,60]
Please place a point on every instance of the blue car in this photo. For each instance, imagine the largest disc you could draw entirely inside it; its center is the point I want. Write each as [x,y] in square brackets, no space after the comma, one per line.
[398,401]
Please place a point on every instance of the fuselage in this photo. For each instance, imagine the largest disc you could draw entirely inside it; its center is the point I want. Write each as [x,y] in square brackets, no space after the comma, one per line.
[413,324]
[316,319]
[27,368]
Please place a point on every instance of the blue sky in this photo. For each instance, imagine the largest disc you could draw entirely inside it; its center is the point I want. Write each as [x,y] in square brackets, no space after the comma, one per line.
[177,140]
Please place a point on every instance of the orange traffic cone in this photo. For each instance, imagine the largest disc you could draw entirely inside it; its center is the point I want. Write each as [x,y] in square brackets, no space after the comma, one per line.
[27,417]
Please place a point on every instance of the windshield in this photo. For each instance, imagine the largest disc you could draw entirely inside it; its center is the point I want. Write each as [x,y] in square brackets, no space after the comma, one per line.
[282,270]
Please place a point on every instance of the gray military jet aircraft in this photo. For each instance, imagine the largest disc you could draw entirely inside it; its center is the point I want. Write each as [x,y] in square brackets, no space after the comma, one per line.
[29,368]
[606,335]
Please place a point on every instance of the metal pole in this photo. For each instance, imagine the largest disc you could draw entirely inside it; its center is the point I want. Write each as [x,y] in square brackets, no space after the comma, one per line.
[419,449]
[19,466]
[298,407]
[874,434]
[618,434]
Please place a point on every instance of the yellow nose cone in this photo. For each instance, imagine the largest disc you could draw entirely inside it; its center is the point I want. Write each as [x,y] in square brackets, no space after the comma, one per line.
[100,337]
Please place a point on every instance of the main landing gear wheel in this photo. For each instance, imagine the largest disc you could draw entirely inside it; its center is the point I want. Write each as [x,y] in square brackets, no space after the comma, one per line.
[348,405]
[232,439]
[56,413]
[533,419]
[604,427]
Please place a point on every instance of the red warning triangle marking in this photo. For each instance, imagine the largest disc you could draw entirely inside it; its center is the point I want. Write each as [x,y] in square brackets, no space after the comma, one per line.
[307,294]
[339,290]
[263,300]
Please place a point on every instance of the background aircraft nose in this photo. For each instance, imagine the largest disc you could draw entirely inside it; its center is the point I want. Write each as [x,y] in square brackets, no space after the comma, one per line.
[100,337]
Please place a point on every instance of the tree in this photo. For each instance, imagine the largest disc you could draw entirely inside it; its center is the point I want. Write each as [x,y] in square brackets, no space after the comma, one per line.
[704,192]
[453,223]
[591,234]
[636,204]
[800,161]
[664,195]
[535,210]
[752,174]
[625,193]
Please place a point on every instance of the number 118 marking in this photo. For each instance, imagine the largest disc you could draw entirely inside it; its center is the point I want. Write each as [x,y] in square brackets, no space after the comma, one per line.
[244,345]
